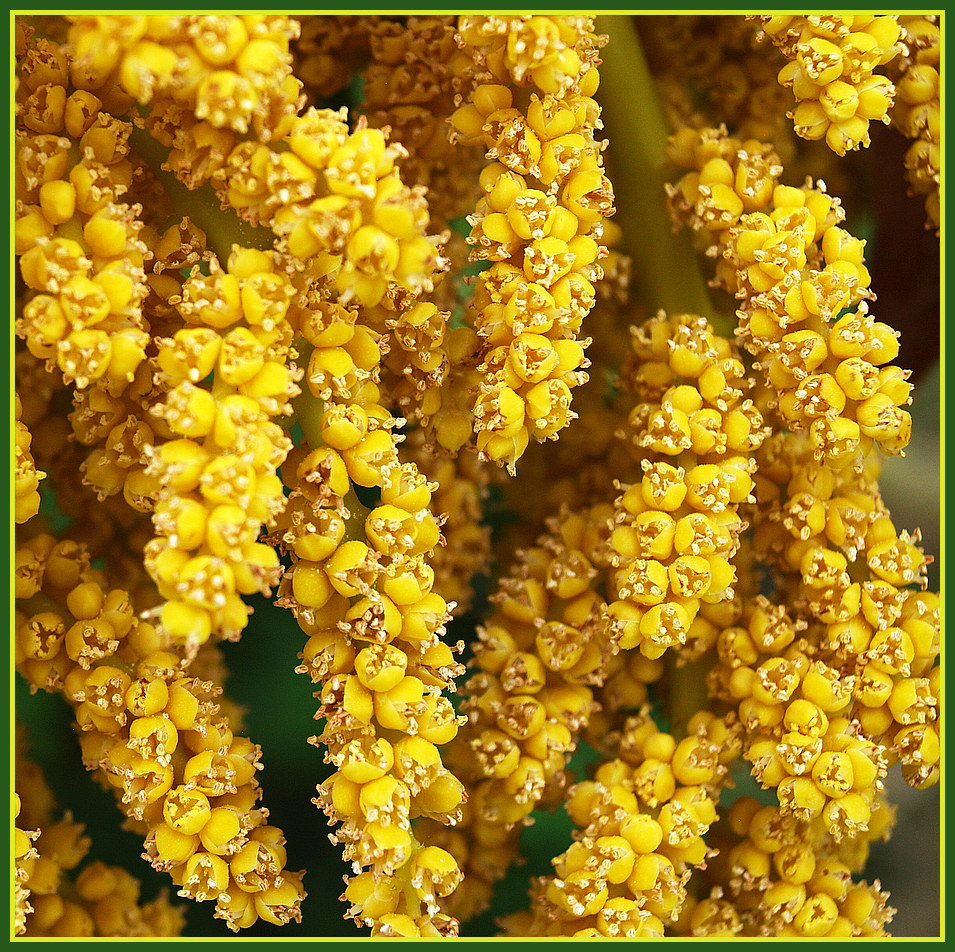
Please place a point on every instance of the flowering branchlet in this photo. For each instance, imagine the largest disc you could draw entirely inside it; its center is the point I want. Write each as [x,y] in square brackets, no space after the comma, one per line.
[536,658]
[155,736]
[97,900]
[78,240]
[798,277]
[677,528]
[641,823]
[361,588]
[539,223]
[216,482]
[771,878]
[831,69]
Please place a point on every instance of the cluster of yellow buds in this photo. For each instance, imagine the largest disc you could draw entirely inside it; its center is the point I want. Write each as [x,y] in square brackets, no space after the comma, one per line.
[539,223]
[794,711]
[299,309]
[770,879]
[641,823]
[537,656]
[878,636]
[361,589]
[216,481]
[232,72]
[678,528]
[154,733]
[831,69]
[797,274]
[79,235]
[99,900]
[78,240]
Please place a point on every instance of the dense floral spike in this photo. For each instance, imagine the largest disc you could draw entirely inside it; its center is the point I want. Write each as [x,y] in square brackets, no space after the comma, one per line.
[216,482]
[537,657]
[831,70]
[773,877]
[360,586]
[339,205]
[677,528]
[155,733]
[98,900]
[640,827]
[351,238]
[539,222]
[589,455]
[796,710]
[333,196]
[77,239]
[80,237]
[803,290]
[860,584]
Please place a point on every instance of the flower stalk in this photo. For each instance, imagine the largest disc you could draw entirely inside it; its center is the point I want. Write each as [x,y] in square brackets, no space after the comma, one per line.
[665,267]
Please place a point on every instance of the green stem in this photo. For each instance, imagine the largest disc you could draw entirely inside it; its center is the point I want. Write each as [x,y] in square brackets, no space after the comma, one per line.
[666,270]
[687,691]
[222,226]
[308,409]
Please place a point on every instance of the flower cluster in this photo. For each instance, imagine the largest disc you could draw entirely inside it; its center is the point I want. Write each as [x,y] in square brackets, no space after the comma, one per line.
[99,900]
[216,482]
[640,823]
[536,659]
[831,70]
[797,274]
[299,315]
[361,588]
[677,529]
[539,222]
[773,875]
[154,736]
[231,72]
